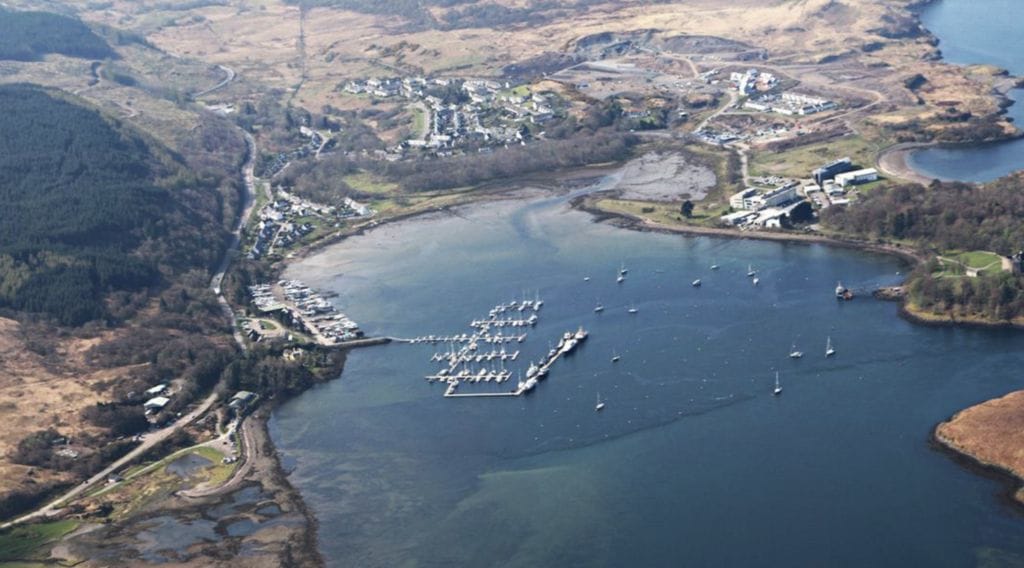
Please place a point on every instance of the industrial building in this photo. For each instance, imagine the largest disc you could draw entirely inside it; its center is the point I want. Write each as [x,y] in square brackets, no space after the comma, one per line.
[831,170]
[752,199]
[857,177]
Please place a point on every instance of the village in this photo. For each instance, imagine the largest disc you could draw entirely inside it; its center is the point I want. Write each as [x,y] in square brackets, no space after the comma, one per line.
[285,221]
[456,113]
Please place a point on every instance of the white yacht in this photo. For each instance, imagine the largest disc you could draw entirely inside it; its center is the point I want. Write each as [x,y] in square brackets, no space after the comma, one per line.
[778,385]
[600,405]
[696,283]
[623,270]
[615,357]
[794,354]
[581,334]
[714,267]
[599,307]
[620,278]
[632,309]
[750,271]
[829,350]
[756,281]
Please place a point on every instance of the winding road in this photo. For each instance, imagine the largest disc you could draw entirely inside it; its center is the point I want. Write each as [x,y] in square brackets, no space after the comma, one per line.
[229,75]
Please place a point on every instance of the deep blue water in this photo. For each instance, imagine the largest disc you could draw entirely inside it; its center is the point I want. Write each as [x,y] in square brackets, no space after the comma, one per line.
[972,32]
[693,462]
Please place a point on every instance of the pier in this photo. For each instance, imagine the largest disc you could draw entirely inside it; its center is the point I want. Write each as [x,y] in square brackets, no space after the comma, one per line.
[465,362]
[534,374]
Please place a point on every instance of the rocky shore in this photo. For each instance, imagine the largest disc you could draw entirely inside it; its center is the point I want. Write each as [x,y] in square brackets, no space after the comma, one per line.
[991,434]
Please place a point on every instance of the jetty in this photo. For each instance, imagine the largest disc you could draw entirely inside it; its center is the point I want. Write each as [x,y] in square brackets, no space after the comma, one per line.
[534,374]
[469,360]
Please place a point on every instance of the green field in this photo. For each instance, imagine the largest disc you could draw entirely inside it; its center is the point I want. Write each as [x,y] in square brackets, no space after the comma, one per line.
[956,263]
[369,183]
[24,543]
[419,120]
[800,162]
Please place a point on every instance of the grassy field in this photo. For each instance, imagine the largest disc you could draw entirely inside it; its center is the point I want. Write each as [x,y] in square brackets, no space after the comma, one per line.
[266,324]
[23,543]
[800,162]
[955,263]
[419,120]
[663,213]
[369,183]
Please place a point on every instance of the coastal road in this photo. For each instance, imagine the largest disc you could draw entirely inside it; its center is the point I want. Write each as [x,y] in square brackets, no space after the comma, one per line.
[249,200]
[149,441]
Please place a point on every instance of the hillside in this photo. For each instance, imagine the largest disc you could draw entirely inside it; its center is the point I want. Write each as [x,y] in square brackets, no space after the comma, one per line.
[91,210]
[27,36]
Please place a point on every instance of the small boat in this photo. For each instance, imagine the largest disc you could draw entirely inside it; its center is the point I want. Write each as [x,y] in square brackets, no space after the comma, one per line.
[794,354]
[778,386]
[600,405]
[696,283]
[829,350]
[750,271]
[714,267]
[615,357]
[623,270]
[842,292]
[586,279]
[599,308]
[620,279]
[756,281]
[633,310]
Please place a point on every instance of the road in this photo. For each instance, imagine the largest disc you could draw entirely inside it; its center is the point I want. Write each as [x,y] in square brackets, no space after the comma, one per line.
[152,439]
[229,75]
[249,201]
[148,442]
[733,98]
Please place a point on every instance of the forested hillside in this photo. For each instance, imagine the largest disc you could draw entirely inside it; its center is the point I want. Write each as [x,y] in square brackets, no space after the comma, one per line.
[90,210]
[27,36]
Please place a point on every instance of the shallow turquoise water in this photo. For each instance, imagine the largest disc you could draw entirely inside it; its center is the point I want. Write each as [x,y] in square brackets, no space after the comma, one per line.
[693,462]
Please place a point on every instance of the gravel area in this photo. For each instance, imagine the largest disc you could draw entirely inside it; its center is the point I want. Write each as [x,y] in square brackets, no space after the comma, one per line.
[665,177]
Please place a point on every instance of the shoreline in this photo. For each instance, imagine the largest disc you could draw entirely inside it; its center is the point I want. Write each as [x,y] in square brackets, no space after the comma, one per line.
[631,222]
[919,317]
[1011,480]
[894,160]
[560,185]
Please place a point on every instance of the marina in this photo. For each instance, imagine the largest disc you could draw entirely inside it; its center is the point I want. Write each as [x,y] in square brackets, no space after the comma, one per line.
[298,306]
[465,363]
[690,421]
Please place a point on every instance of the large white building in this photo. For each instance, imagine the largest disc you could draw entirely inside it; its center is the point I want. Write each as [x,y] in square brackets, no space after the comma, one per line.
[741,200]
[752,199]
[856,177]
